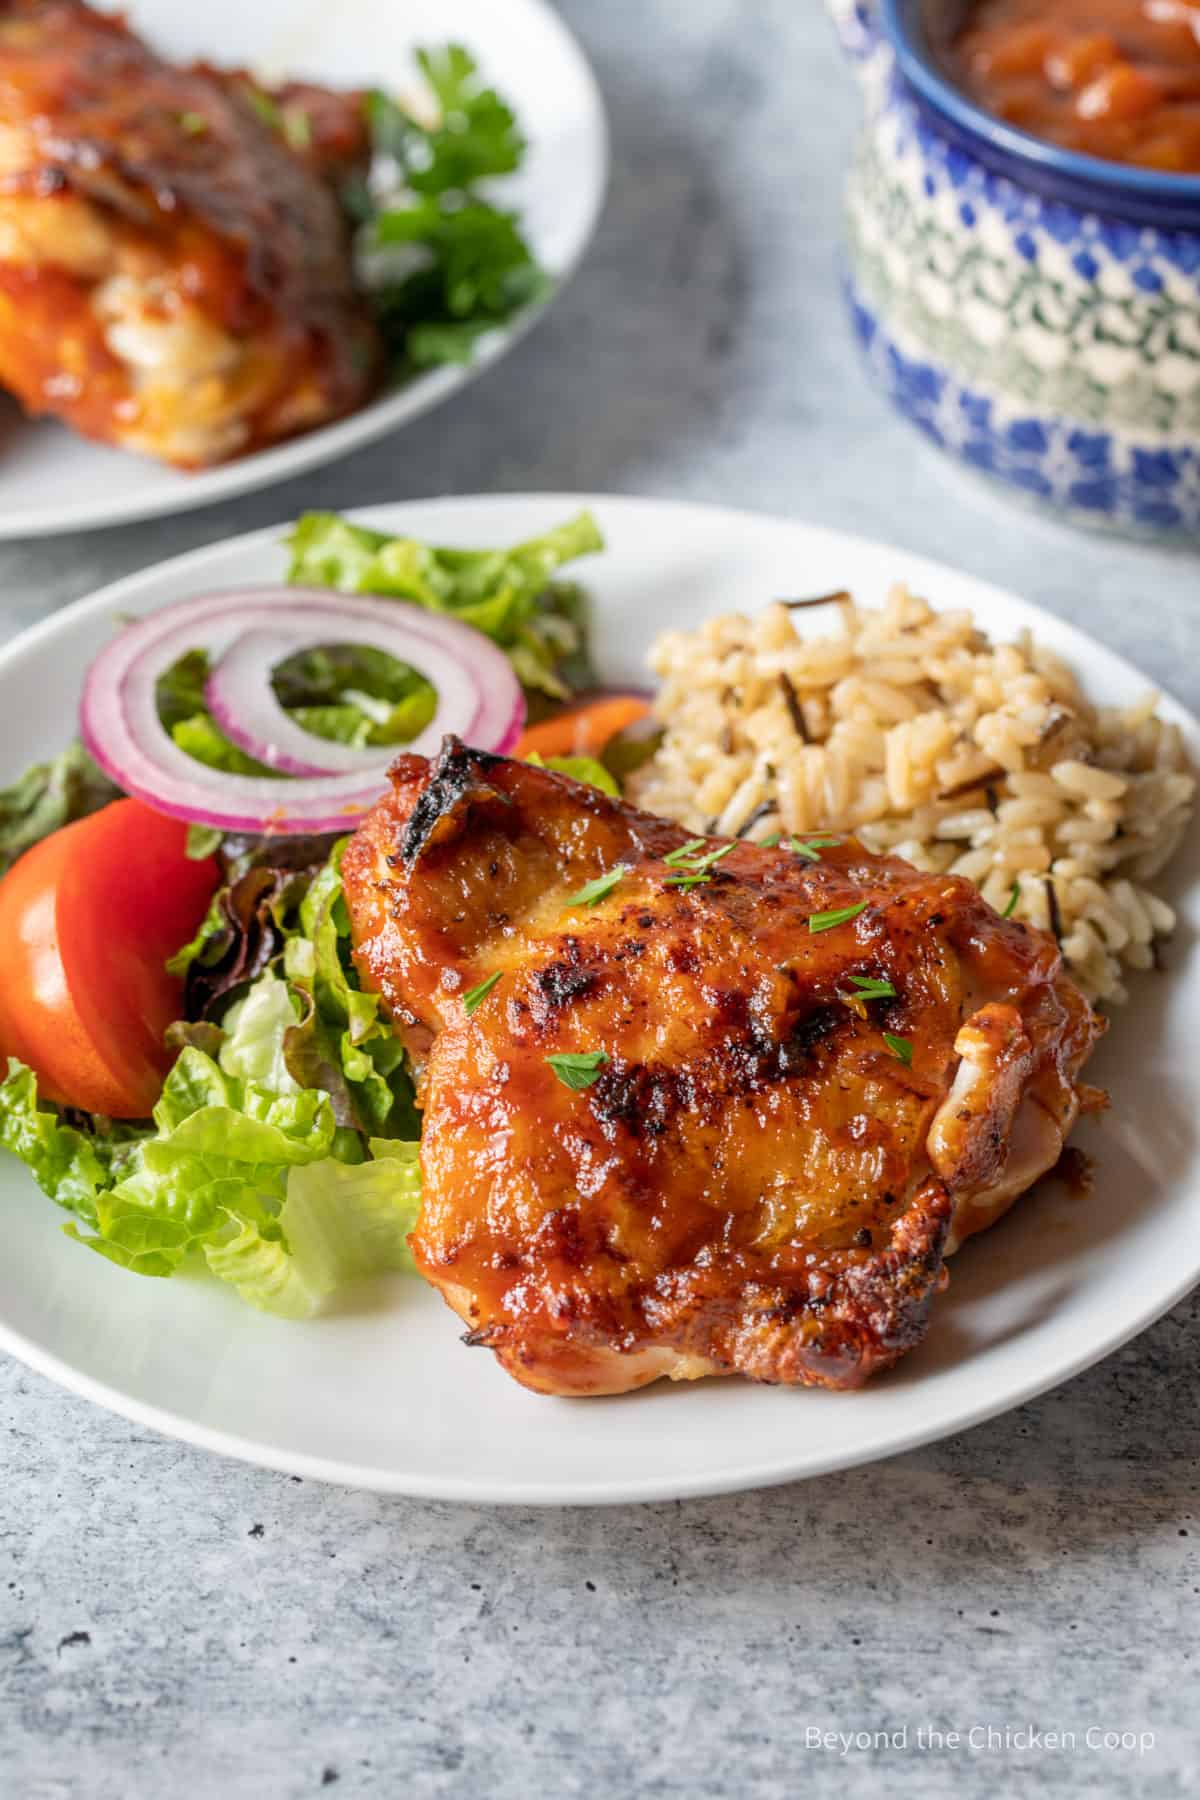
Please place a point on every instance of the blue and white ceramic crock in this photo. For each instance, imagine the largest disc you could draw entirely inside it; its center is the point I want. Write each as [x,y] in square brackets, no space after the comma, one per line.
[1035,312]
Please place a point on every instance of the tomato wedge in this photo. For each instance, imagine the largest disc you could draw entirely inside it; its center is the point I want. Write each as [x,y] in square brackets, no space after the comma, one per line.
[88,918]
[585,729]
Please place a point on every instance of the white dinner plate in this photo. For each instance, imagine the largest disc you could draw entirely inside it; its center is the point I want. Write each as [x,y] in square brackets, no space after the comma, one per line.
[382,1394]
[52,480]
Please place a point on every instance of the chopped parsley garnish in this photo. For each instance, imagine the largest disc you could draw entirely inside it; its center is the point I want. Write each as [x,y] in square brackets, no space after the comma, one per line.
[194,123]
[594,891]
[577,1069]
[266,108]
[810,848]
[840,915]
[684,851]
[697,867]
[713,856]
[871,989]
[772,838]
[1011,908]
[297,129]
[900,1047]
[477,995]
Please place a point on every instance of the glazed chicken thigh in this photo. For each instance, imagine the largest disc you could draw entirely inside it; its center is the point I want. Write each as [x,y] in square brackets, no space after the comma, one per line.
[794,1078]
[175,272]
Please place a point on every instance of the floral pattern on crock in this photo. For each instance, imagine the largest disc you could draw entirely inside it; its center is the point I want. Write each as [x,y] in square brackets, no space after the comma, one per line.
[1064,310]
[1104,476]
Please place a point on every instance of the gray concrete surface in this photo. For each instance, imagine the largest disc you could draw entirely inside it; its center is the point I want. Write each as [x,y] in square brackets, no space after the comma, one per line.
[170,1623]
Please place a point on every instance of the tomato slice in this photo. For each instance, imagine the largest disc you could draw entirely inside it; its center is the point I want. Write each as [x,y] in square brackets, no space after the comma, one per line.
[585,729]
[88,918]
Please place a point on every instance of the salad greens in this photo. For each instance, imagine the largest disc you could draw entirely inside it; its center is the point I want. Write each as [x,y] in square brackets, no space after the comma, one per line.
[579,768]
[441,263]
[47,796]
[342,1042]
[301,1073]
[338,1223]
[355,694]
[179,694]
[512,596]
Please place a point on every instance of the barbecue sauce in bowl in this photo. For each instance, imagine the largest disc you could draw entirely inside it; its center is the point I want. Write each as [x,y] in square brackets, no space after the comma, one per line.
[1114,79]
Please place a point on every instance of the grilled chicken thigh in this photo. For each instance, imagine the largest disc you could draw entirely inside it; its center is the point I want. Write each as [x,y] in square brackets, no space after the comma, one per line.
[756,1155]
[174,276]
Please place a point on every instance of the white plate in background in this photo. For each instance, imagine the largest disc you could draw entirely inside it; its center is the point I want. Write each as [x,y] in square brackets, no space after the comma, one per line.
[52,480]
[381,1393]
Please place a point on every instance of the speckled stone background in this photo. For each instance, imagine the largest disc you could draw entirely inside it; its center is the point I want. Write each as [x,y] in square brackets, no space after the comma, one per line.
[171,1623]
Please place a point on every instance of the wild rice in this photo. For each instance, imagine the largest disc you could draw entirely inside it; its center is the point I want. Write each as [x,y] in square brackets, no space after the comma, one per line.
[911,728]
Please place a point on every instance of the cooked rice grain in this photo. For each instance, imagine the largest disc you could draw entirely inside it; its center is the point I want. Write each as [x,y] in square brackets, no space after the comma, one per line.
[910,728]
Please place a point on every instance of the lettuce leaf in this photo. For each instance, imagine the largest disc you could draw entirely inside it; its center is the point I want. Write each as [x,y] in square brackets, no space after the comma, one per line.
[208,941]
[343,1044]
[355,694]
[201,737]
[255,1029]
[179,690]
[151,1195]
[338,1225]
[247,1177]
[47,796]
[72,1167]
[272,965]
[245,925]
[509,595]
[579,768]
[222,1147]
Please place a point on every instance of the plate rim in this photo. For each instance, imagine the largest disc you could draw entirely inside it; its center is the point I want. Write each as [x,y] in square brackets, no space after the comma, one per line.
[387,412]
[800,1464]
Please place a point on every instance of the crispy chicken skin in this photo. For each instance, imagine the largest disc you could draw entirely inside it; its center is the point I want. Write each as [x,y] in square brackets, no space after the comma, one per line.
[173,277]
[754,1182]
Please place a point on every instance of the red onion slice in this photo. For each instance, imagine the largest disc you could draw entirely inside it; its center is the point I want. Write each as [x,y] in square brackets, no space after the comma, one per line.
[479,698]
[474,682]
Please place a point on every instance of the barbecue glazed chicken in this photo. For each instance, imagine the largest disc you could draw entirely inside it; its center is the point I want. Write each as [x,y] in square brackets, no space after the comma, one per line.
[741,1171]
[175,277]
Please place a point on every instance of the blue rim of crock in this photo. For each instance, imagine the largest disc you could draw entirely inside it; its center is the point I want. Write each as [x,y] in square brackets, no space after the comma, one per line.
[1107,186]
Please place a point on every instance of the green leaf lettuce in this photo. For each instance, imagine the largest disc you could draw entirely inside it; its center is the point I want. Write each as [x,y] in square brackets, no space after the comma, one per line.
[510,595]
[48,796]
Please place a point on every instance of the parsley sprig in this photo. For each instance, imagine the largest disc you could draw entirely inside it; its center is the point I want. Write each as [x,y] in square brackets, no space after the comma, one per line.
[868,987]
[810,848]
[592,892]
[577,1069]
[838,915]
[474,997]
[462,266]
[695,863]
[684,851]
